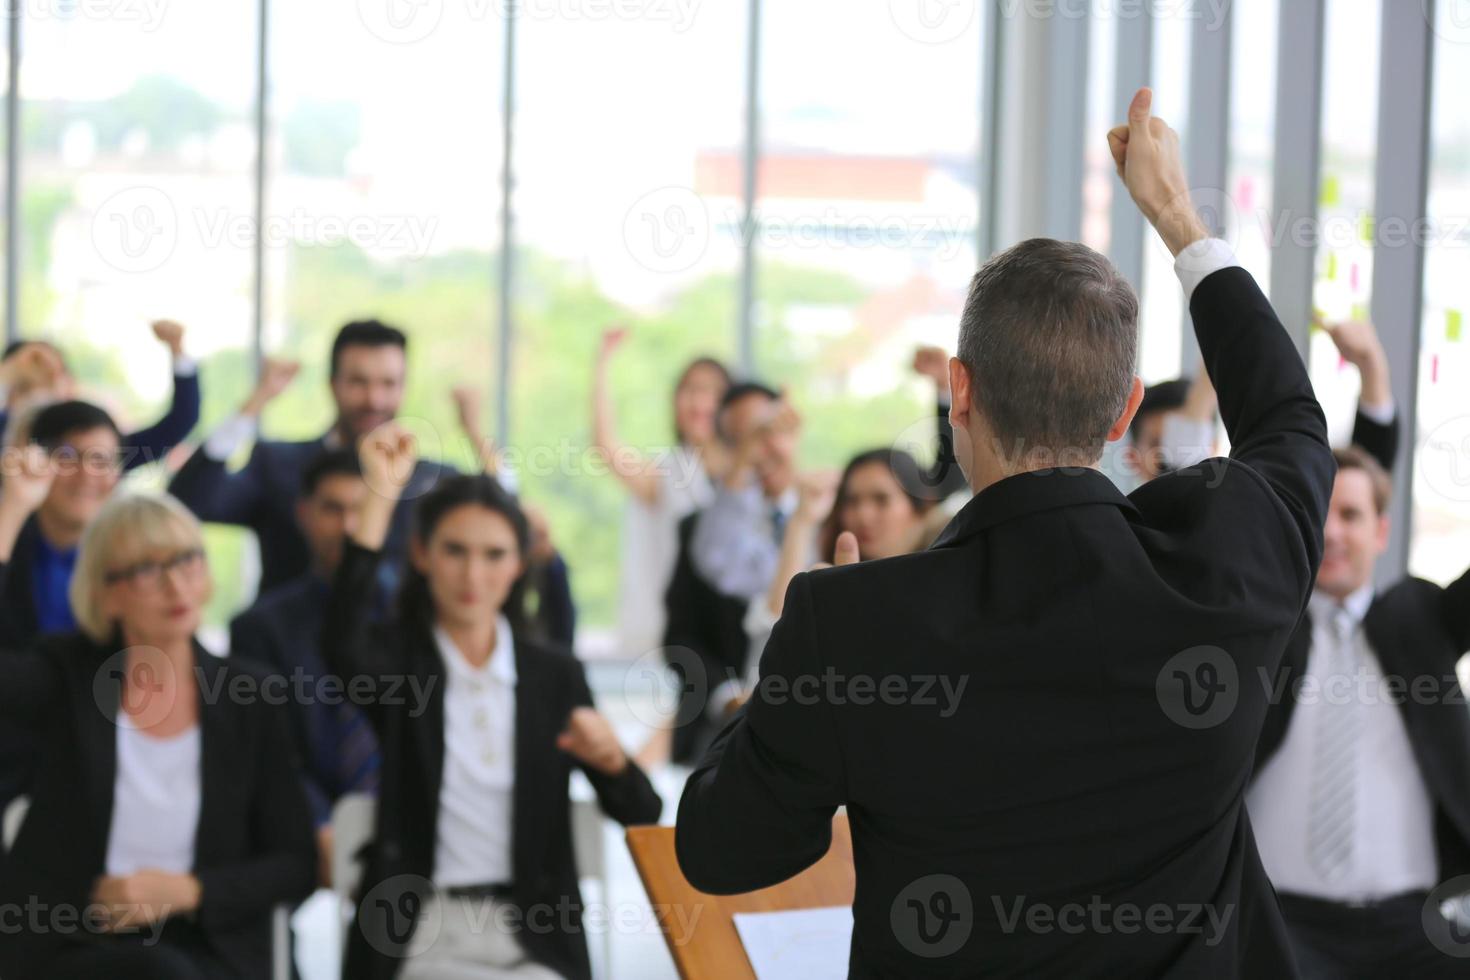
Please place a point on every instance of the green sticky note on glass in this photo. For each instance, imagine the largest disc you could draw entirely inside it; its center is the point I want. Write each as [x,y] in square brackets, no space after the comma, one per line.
[1331,192]
[1331,267]
[1360,311]
[1365,229]
[1453,321]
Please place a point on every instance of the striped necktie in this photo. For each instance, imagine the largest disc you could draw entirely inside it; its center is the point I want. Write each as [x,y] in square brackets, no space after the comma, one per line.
[1332,807]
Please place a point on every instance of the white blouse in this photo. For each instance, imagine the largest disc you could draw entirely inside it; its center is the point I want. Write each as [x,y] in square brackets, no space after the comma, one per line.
[155,801]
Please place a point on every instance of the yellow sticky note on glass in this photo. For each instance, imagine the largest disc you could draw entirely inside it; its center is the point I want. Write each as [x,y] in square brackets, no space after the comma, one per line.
[1331,192]
[1453,321]
[1365,229]
[1331,267]
[1360,311]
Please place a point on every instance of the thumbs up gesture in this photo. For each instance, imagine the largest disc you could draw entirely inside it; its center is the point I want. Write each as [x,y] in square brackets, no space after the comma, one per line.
[1146,153]
[590,739]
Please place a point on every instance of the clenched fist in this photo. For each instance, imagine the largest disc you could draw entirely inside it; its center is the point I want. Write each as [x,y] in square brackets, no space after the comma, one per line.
[590,739]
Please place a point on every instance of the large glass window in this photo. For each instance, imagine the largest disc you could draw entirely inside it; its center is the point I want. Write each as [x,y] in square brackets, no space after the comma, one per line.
[627,205]
[1344,265]
[1161,311]
[137,160]
[1440,545]
[867,210]
[1252,131]
[1099,174]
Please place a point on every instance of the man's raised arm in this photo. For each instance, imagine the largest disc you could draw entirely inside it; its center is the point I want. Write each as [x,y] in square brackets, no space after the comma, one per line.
[1266,400]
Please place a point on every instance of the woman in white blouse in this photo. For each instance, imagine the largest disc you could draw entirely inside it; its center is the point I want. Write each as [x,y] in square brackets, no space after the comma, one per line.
[471,873]
[167,816]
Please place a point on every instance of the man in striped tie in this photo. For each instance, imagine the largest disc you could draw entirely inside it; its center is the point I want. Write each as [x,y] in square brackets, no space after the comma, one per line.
[1361,800]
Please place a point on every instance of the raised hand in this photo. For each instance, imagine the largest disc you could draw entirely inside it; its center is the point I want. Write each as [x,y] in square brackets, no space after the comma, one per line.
[28,473]
[590,739]
[612,338]
[1146,153]
[933,363]
[35,369]
[467,407]
[846,550]
[171,332]
[816,493]
[275,375]
[1357,341]
[389,454]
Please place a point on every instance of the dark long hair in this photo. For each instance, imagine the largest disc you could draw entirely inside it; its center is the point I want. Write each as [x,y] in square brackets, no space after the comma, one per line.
[415,603]
[906,473]
[695,365]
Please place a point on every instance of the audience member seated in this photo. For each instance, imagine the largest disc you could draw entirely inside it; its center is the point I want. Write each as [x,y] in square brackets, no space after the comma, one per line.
[39,539]
[878,509]
[367,380]
[167,818]
[478,746]
[282,632]
[38,374]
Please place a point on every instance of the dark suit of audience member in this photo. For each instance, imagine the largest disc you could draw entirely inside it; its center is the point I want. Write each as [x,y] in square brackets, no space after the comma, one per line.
[705,644]
[253,847]
[1067,772]
[411,730]
[262,497]
[283,633]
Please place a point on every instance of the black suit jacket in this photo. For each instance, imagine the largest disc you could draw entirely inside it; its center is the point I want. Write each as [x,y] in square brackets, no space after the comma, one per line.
[18,630]
[1418,631]
[400,865]
[1066,774]
[254,846]
[704,643]
[262,496]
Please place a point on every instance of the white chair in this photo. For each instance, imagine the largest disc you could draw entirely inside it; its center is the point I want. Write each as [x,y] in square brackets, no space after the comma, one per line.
[15,815]
[353,817]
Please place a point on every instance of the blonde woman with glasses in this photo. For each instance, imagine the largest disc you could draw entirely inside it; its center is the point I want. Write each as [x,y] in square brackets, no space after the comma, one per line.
[167,815]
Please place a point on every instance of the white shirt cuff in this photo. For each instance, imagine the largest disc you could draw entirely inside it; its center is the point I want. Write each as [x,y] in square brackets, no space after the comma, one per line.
[230,436]
[185,366]
[1382,414]
[1200,260]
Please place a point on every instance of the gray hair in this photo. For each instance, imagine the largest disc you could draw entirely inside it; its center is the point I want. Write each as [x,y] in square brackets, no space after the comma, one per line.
[1050,336]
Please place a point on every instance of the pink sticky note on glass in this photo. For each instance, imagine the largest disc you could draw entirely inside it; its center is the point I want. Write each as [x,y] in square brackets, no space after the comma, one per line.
[1353,277]
[1433,368]
[1245,193]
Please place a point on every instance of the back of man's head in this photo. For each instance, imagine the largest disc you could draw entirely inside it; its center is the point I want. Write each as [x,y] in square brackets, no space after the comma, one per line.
[1050,338]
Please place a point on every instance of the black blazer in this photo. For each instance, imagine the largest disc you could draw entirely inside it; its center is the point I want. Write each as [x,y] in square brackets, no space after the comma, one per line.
[400,863]
[254,846]
[18,630]
[262,496]
[704,643]
[1066,773]
[1418,631]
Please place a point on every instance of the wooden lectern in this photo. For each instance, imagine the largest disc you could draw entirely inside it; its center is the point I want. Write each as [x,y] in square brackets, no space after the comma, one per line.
[714,951]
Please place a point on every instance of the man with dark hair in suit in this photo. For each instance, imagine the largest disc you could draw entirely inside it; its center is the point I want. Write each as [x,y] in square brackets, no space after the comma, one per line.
[369,364]
[1361,798]
[282,631]
[1042,728]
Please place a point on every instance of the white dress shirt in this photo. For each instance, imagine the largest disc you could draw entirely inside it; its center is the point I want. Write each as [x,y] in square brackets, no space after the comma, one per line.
[155,801]
[735,547]
[1393,827]
[473,845]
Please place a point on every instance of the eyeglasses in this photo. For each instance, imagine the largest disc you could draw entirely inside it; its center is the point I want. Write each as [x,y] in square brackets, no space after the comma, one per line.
[70,460]
[150,574]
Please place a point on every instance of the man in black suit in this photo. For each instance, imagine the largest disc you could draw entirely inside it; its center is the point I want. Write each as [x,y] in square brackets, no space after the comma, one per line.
[1013,718]
[282,632]
[1361,799]
[369,361]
